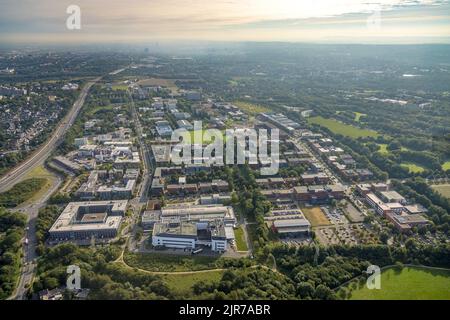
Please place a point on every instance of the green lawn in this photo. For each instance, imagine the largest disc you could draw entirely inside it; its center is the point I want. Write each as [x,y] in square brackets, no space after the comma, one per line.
[240,239]
[170,262]
[200,134]
[383,148]
[411,283]
[413,168]
[251,108]
[183,283]
[22,192]
[119,87]
[446,166]
[96,109]
[342,128]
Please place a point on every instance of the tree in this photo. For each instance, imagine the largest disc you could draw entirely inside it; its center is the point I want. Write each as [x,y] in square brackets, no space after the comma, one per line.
[323,293]
[305,289]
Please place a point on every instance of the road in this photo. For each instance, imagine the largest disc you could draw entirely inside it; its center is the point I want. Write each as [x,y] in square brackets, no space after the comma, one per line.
[142,197]
[29,258]
[145,153]
[40,155]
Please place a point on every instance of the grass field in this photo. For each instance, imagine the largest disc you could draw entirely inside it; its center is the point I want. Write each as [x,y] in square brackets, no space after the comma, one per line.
[410,283]
[383,148]
[240,239]
[183,283]
[342,128]
[251,108]
[41,173]
[168,83]
[358,116]
[119,87]
[412,167]
[22,192]
[201,133]
[443,189]
[170,262]
[446,166]
[316,217]
[94,110]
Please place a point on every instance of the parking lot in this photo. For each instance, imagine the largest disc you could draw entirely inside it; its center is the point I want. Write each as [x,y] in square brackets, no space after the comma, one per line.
[335,216]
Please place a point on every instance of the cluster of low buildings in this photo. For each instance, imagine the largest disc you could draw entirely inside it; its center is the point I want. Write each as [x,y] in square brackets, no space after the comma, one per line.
[12,91]
[393,206]
[343,164]
[24,116]
[106,185]
[161,176]
[70,86]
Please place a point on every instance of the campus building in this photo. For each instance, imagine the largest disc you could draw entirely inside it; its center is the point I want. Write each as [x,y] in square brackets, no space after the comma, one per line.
[190,235]
[84,220]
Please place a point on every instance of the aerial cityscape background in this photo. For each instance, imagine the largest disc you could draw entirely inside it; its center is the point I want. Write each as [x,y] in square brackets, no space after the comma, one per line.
[99,100]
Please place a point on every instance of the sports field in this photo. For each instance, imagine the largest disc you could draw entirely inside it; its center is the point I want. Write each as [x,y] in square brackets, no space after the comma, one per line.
[409,283]
[342,128]
[316,217]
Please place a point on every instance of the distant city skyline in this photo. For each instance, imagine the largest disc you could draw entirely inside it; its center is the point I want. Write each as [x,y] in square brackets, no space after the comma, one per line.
[324,21]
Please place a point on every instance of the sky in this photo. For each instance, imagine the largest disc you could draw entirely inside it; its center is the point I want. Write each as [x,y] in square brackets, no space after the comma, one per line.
[321,21]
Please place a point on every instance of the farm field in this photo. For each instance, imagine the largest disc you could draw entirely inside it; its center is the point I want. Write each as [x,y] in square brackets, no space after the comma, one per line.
[342,128]
[409,283]
[443,189]
[251,108]
[413,168]
[316,217]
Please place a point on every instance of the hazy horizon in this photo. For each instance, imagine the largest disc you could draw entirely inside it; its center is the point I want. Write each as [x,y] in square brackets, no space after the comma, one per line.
[142,21]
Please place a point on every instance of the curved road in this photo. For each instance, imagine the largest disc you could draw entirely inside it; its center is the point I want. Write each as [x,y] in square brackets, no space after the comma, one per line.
[39,156]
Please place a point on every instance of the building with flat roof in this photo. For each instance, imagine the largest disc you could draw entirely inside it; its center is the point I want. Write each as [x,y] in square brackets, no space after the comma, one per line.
[84,220]
[200,213]
[392,196]
[161,153]
[288,222]
[190,234]
[319,193]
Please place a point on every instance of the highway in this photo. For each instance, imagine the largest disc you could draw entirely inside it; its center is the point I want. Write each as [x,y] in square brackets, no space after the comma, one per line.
[40,155]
